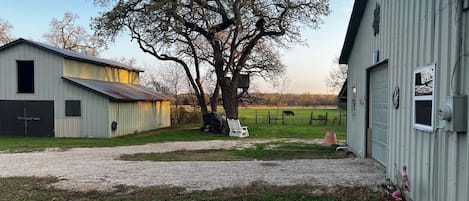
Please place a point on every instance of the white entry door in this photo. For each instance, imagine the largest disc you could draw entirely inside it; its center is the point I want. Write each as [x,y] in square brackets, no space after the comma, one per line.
[379,104]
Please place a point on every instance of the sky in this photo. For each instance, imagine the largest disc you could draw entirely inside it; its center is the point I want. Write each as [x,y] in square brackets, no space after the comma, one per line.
[307,65]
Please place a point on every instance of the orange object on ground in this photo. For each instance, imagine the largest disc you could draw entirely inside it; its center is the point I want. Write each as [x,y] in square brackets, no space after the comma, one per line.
[330,138]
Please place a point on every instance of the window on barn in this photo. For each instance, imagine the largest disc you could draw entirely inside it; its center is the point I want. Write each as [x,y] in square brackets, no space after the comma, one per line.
[423,97]
[25,70]
[72,108]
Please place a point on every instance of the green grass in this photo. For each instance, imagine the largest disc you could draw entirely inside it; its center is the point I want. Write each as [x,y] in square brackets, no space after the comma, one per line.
[25,144]
[262,151]
[302,116]
[293,131]
[259,130]
[294,127]
[30,188]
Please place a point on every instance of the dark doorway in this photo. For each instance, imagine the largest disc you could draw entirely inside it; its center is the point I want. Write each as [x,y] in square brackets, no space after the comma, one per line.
[25,76]
[27,118]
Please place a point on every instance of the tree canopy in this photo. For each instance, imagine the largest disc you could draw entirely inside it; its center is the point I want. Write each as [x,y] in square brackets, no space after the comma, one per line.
[337,75]
[5,29]
[64,33]
[228,37]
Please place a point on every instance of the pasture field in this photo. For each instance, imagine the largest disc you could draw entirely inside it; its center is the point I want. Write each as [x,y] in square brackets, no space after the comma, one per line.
[298,126]
[301,116]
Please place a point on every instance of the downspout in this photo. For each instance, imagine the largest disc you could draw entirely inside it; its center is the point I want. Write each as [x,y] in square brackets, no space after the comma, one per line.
[456,82]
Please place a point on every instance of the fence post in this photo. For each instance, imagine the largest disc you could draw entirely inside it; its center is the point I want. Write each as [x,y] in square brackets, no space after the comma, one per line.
[340,117]
[325,122]
[311,119]
[283,118]
[256,116]
[269,117]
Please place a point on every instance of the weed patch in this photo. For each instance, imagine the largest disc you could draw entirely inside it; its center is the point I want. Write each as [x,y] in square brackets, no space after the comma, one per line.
[31,188]
[263,151]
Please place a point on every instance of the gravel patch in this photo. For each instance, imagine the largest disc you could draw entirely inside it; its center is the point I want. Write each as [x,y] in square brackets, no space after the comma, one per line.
[84,169]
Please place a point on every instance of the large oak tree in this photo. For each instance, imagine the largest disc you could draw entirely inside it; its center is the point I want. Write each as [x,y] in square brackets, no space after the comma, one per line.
[230,37]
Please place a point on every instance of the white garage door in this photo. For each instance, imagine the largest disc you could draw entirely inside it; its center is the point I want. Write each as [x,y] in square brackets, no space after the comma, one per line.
[379,98]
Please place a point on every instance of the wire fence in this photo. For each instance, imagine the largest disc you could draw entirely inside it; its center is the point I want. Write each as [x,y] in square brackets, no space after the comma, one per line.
[269,116]
[291,118]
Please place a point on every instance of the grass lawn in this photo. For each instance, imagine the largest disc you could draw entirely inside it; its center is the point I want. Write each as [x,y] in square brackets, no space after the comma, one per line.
[29,188]
[263,151]
[25,144]
[293,131]
[260,130]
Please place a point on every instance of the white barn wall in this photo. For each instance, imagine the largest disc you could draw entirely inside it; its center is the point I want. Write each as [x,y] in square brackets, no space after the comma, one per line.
[134,117]
[93,122]
[47,72]
[413,34]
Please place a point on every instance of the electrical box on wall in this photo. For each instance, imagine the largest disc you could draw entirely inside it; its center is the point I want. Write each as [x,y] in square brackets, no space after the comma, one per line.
[454,112]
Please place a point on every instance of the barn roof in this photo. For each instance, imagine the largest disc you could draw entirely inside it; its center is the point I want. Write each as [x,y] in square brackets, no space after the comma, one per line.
[119,91]
[67,54]
[352,30]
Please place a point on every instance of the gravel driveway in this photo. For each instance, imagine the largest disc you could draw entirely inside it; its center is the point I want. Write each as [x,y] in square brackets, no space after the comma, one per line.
[83,169]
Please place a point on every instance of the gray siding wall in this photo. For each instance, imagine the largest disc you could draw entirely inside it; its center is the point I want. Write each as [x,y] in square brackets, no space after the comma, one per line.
[94,114]
[47,72]
[134,117]
[413,34]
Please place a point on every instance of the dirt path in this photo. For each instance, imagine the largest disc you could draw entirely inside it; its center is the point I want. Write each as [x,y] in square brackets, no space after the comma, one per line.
[96,168]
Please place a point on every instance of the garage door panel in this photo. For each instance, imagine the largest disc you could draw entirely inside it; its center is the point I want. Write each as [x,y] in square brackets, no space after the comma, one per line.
[27,118]
[42,113]
[379,103]
[9,124]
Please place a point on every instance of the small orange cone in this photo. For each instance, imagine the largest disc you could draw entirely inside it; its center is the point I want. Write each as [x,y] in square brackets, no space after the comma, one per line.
[330,138]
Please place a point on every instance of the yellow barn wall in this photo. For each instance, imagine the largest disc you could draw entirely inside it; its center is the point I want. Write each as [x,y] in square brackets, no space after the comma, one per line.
[135,117]
[94,72]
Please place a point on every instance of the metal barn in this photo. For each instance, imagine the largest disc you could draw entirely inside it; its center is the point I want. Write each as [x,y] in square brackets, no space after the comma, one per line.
[407,92]
[48,91]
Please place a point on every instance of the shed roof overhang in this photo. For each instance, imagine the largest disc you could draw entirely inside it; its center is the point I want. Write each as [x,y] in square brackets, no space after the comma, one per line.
[118,91]
[352,30]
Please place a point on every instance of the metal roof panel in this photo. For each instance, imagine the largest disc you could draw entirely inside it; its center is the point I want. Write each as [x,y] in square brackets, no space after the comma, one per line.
[119,91]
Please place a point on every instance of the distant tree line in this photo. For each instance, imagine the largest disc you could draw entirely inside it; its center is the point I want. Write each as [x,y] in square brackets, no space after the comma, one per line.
[271,99]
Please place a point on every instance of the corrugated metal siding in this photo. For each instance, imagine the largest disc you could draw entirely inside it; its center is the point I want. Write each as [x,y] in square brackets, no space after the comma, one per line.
[68,127]
[94,114]
[95,72]
[47,72]
[413,34]
[134,117]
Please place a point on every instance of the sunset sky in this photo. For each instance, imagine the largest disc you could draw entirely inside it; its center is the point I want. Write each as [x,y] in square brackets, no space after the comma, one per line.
[308,66]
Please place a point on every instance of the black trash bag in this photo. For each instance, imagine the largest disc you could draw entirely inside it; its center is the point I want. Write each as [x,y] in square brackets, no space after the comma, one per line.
[215,123]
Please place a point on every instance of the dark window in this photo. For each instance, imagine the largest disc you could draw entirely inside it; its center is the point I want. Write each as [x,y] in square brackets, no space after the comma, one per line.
[72,108]
[25,76]
[423,112]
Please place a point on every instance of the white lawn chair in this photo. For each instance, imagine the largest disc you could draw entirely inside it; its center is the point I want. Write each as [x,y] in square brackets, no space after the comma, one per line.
[236,130]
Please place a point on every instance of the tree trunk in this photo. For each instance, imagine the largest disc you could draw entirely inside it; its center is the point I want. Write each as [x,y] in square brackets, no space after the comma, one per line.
[230,98]
[214,98]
